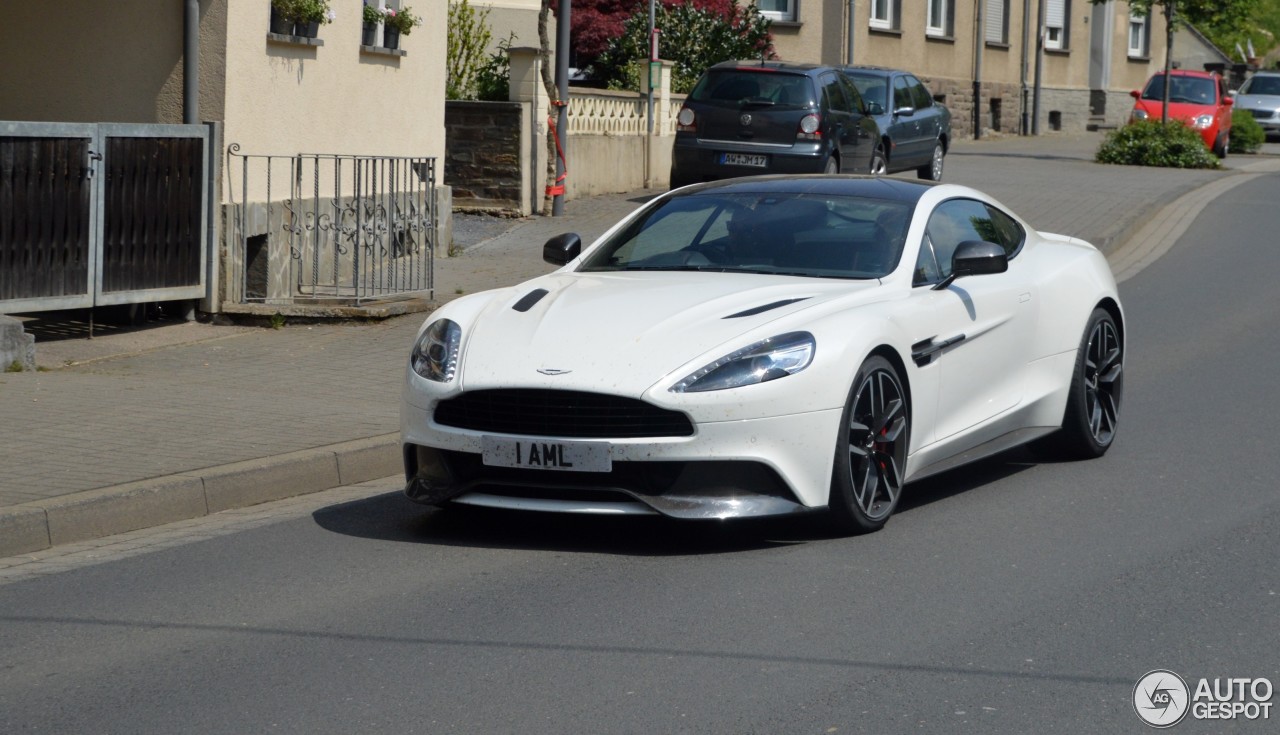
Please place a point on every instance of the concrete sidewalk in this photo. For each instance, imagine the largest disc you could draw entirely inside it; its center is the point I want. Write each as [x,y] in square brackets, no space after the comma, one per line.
[230,416]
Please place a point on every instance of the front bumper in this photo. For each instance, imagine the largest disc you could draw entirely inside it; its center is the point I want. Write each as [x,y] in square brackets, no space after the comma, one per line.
[727,469]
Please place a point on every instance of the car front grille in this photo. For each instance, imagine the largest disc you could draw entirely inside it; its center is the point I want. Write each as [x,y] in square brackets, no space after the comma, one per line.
[575,414]
[1263,114]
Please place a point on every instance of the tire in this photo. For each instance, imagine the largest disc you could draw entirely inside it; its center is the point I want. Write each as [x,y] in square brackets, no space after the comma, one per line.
[1093,404]
[879,164]
[932,171]
[1223,146]
[871,449]
[832,166]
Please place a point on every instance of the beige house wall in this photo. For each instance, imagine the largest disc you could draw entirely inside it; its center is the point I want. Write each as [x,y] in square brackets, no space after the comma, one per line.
[518,18]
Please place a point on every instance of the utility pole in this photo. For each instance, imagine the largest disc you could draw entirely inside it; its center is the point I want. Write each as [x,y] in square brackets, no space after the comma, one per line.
[978,38]
[562,91]
[1026,43]
[1170,14]
[1035,108]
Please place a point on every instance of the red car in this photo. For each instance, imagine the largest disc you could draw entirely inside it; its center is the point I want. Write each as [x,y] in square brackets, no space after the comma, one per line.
[1198,98]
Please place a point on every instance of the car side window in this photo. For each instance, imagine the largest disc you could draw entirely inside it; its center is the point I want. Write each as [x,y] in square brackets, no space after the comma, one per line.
[901,94]
[958,220]
[834,94]
[923,100]
[927,270]
[851,91]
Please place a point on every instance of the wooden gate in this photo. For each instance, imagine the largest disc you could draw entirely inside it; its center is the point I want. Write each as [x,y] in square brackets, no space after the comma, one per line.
[93,215]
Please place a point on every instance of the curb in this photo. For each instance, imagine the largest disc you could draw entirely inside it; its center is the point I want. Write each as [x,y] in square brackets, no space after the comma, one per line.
[107,511]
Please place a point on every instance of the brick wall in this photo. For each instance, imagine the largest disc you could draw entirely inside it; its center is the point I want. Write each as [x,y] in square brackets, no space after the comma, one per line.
[482,154]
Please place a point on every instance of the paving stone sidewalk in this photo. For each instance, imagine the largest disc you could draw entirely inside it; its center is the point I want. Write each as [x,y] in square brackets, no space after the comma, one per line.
[253,396]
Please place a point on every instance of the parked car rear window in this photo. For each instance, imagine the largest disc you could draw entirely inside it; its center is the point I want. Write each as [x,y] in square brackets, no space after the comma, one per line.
[737,87]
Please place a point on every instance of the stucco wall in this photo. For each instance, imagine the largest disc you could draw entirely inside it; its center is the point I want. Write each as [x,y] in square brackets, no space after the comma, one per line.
[515,16]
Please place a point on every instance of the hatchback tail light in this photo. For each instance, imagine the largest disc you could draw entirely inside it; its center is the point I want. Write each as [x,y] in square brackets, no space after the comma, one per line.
[686,121]
[809,125]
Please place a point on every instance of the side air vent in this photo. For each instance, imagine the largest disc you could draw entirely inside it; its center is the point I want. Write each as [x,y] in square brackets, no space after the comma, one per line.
[527,301]
[766,307]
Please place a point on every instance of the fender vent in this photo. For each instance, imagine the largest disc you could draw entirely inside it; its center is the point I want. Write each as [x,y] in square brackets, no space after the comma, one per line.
[527,301]
[766,307]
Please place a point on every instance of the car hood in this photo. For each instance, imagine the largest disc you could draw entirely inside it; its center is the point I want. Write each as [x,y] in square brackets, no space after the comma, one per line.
[1177,110]
[623,332]
[1258,101]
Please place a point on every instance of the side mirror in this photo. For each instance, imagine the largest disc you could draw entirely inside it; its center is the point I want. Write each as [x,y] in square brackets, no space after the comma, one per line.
[1135,94]
[905,111]
[562,248]
[977,257]
[1229,101]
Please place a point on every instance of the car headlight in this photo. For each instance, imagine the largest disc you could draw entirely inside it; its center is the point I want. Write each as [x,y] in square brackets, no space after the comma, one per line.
[435,354]
[1202,121]
[768,359]
[1138,115]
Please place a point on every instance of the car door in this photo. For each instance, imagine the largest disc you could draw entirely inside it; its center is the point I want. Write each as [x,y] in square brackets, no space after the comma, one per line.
[973,332]
[866,130]
[840,123]
[906,125]
[927,118]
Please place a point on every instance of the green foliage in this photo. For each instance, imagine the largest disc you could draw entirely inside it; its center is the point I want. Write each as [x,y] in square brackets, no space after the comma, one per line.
[304,11]
[493,79]
[14,367]
[372,15]
[1153,143]
[469,36]
[692,38]
[1247,136]
[277,320]
[403,20]
[1224,22]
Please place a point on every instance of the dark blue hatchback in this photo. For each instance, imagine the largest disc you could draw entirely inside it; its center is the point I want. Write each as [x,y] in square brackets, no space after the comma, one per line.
[915,129]
[769,117]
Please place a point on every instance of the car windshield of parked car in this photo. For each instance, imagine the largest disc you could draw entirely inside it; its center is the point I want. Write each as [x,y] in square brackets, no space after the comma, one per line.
[1262,85]
[872,87]
[814,235]
[740,87]
[1196,90]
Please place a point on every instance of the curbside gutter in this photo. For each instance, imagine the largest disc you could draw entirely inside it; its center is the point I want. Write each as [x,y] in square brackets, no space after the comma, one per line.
[107,511]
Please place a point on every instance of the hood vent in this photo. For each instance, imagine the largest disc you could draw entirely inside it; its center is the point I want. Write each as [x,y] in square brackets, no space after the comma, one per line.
[766,307]
[527,301]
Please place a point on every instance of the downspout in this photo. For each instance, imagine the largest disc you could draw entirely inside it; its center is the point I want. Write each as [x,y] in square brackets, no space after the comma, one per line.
[191,62]
[1035,107]
[978,37]
[853,26]
[1026,43]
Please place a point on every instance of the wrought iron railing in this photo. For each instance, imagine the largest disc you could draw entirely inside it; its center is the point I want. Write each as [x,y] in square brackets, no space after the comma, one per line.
[338,228]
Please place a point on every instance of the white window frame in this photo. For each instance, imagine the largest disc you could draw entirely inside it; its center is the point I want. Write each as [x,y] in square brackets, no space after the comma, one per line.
[935,26]
[886,8]
[1142,25]
[789,14]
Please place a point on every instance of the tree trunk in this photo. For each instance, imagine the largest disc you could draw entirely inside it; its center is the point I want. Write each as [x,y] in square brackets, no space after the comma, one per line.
[548,84]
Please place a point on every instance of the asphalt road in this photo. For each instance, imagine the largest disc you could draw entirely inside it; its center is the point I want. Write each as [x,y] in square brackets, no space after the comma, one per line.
[1007,597]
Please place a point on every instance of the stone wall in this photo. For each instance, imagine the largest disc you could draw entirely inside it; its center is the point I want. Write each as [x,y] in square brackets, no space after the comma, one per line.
[1000,109]
[483,157]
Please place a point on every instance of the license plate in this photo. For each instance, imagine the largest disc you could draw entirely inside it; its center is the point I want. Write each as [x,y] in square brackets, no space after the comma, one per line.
[744,159]
[537,454]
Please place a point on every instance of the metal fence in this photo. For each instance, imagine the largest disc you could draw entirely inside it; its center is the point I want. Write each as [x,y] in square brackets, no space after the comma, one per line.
[329,228]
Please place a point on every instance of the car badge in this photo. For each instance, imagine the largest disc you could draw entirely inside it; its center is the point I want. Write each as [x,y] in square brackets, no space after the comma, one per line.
[745,119]
[553,371]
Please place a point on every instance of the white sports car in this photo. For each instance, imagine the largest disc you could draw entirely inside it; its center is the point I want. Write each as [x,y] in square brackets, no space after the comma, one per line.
[764,346]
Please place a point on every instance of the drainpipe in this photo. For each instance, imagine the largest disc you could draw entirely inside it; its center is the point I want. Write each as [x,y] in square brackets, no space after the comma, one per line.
[1026,43]
[191,62]
[1035,107]
[978,37]
[853,28]
[562,91]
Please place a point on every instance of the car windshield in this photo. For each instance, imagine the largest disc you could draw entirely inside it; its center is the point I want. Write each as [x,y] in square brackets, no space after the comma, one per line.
[873,88]
[740,87]
[814,235]
[1262,85]
[1196,90]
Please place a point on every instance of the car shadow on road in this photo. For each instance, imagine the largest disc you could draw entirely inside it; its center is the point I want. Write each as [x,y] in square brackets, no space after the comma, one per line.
[392,517]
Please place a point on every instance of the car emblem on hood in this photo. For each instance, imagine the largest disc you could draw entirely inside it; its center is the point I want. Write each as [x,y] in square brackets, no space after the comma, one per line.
[745,119]
[553,371]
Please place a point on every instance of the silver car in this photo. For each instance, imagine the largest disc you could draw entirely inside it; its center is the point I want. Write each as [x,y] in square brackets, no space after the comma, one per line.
[1260,95]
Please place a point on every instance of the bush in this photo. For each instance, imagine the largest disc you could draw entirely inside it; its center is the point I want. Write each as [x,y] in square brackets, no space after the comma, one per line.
[493,78]
[468,38]
[1247,136]
[1153,143]
[693,38]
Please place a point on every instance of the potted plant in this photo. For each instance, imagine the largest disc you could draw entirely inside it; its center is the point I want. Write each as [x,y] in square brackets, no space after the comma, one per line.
[283,16]
[373,17]
[309,15]
[398,22]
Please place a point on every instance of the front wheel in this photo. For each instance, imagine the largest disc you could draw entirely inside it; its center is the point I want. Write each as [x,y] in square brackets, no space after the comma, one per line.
[1093,405]
[1223,146]
[871,449]
[932,171]
[879,163]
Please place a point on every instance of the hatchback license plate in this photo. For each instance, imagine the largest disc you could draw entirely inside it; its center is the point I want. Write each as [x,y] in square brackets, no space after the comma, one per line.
[744,159]
[538,454]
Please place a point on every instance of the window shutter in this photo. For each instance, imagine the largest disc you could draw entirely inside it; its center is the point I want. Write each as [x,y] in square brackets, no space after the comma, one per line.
[995,21]
[951,18]
[1055,14]
[896,21]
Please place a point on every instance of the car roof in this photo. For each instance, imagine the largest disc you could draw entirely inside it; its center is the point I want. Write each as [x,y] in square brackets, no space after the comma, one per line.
[769,66]
[1189,73]
[870,187]
[879,70]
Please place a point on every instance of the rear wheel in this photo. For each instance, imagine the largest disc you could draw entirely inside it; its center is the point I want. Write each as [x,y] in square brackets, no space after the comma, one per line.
[932,171]
[1093,405]
[832,166]
[879,164]
[871,450]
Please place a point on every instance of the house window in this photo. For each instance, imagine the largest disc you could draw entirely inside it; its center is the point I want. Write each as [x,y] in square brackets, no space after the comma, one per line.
[777,9]
[1139,33]
[1055,23]
[883,15]
[936,18]
[997,21]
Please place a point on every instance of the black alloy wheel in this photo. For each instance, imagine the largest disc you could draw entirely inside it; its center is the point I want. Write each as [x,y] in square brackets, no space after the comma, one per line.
[871,452]
[1093,405]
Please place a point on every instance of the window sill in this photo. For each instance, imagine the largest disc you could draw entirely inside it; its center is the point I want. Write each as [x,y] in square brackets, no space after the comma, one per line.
[1001,45]
[1058,51]
[294,40]
[383,51]
[939,38]
[885,31]
[1140,59]
[790,24]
